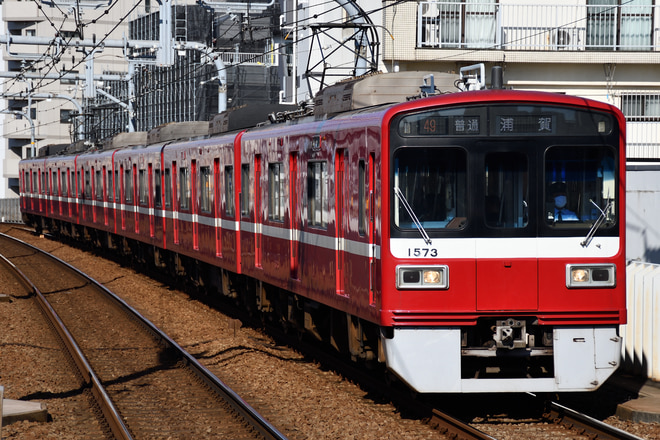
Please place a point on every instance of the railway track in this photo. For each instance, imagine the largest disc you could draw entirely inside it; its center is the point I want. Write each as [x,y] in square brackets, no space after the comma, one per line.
[145,384]
[462,427]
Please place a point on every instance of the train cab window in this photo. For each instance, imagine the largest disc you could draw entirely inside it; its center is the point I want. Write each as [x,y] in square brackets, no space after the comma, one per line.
[184,188]
[275,193]
[317,194]
[206,190]
[507,188]
[430,188]
[229,190]
[580,186]
[245,190]
[168,187]
[98,185]
[88,184]
[128,186]
[143,188]
[157,189]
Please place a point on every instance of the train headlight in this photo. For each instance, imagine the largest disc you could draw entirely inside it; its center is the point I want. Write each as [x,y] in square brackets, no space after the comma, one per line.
[422,277]
[591,275]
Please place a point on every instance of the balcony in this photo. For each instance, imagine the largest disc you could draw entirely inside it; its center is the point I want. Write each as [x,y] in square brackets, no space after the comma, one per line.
[505,26]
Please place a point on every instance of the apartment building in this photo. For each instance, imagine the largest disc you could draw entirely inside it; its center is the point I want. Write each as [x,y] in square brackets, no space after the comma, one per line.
[43,74]
[608,50]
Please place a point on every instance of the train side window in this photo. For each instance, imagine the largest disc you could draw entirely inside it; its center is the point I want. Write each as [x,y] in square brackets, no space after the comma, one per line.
[79,182]
[362,194]
[245,189]
[506,190]
[65,187]
[206,192]
[229,190]
[43,182]
[157,189]
[317,194]
[108,188]
[117,187]
[99,185]
[88,184]
[276,200]
[54,186]
[35,182]
[168,188]
[184,188]
[143,188]
[128,185]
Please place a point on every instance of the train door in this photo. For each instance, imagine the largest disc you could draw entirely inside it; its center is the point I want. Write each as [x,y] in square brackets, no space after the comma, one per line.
[506,274]
[175,205]
[122,199]
[293,215]
[340,221]
[135,199]
[193,204]
[104,194]
[366,215]
[257,211]
[150,199]
[217,207]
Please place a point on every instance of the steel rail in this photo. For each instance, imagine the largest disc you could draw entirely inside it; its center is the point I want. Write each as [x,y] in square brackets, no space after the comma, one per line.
[112,417]
[251,416]
[572,419]
[456,429]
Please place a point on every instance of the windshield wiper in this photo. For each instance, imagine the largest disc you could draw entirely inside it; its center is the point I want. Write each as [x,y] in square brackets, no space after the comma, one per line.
[599,221]
[412,215]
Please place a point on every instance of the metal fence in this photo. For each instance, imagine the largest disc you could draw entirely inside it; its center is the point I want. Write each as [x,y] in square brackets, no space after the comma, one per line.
[641,336]
[10,211]
[547,26]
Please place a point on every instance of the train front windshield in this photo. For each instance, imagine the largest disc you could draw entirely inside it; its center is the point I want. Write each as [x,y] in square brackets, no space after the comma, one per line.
[504,170]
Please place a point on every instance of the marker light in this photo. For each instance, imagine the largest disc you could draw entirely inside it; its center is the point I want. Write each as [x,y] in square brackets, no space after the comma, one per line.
[593,275]
[422,277]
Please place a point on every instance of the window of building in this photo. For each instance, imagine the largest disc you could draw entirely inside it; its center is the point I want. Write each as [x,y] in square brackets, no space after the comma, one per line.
[317,194]
[641,108]
[619,24]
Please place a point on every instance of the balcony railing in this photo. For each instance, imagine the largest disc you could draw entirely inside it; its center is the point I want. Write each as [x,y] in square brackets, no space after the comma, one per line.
[537,27]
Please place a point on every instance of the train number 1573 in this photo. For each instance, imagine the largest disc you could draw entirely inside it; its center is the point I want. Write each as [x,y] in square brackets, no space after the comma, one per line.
[422,252]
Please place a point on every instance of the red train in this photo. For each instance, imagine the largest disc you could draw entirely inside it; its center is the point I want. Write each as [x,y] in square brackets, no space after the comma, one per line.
[472,241]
